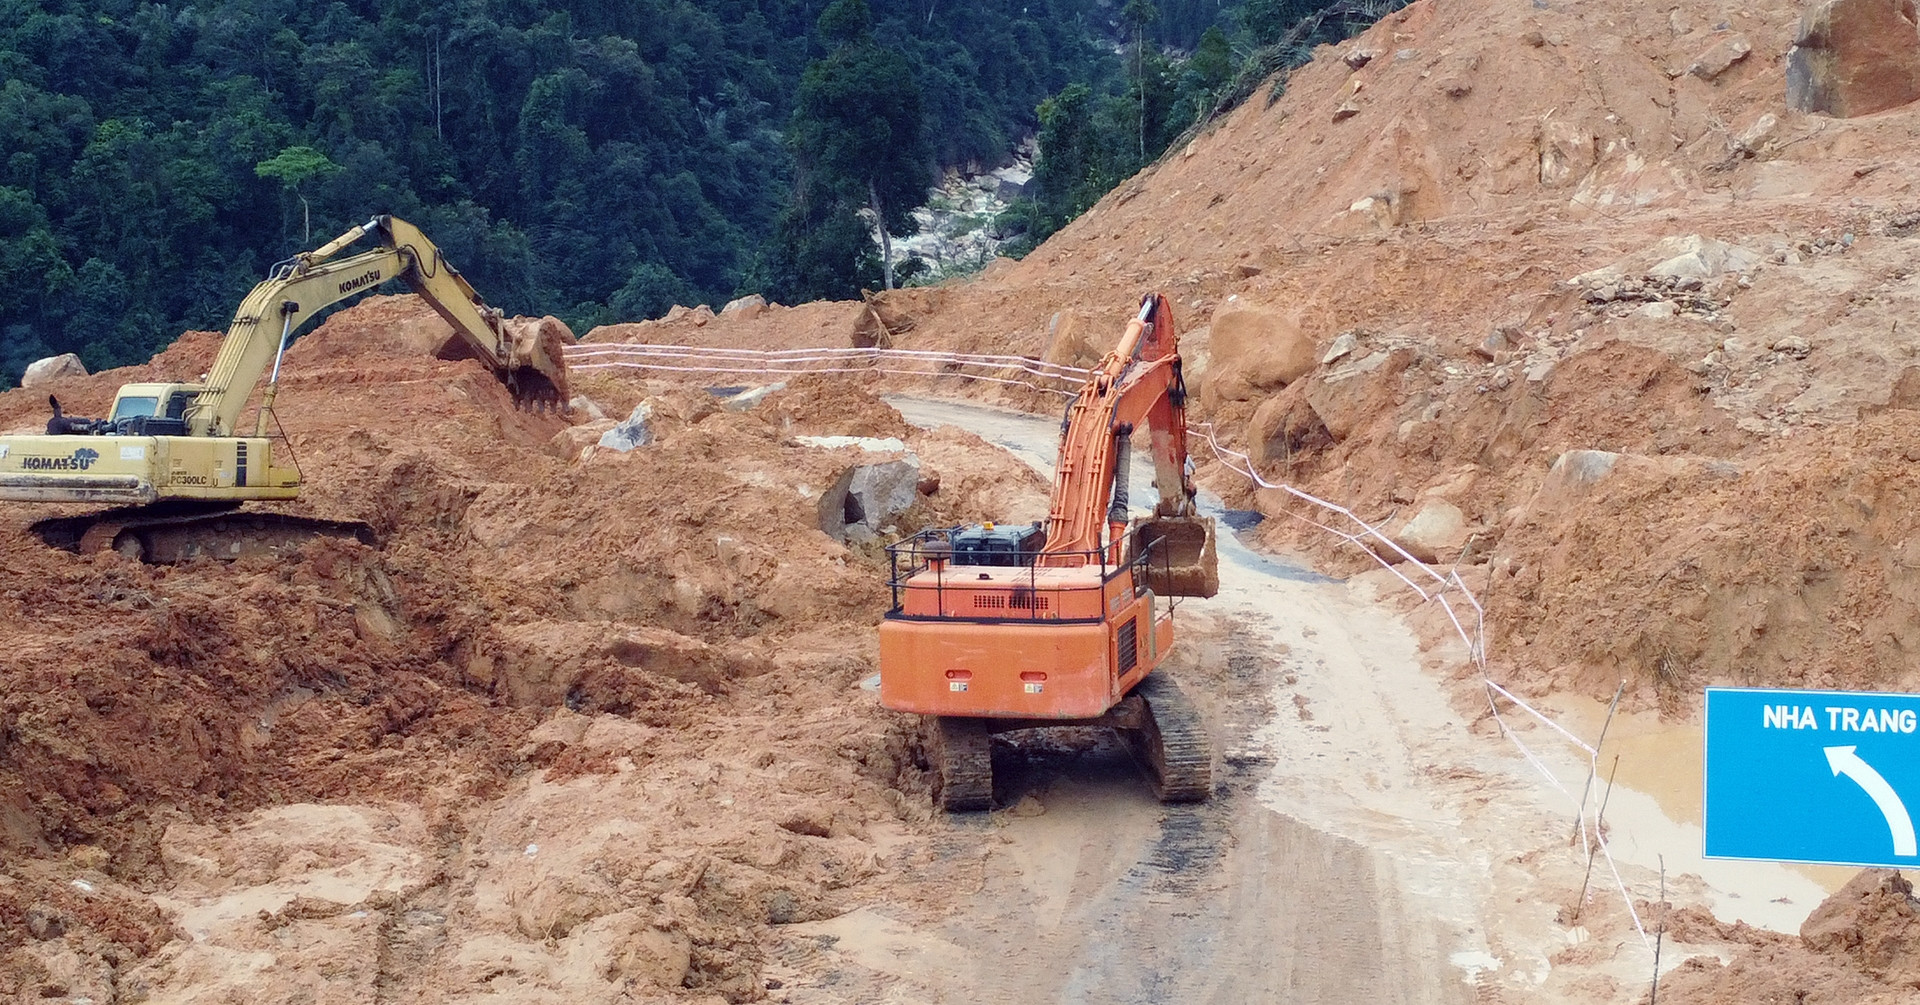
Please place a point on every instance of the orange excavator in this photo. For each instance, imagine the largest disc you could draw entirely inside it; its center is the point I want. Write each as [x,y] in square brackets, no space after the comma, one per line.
[997,628]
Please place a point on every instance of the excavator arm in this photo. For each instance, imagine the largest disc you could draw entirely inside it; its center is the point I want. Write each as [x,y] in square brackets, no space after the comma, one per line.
[1140,381]
[528,360]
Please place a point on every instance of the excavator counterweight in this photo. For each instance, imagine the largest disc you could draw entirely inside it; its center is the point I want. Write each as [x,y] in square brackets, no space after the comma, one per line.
[1064,623]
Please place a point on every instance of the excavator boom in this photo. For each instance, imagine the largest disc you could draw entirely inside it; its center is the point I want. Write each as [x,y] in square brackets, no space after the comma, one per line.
[527,359]
[1140,381]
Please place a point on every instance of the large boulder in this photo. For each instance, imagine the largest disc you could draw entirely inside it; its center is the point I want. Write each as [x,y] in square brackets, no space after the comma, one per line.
[866,496]
[746,308]
[1855,57]
[1436,532]
[633,431]
[52,368]
[1254,349]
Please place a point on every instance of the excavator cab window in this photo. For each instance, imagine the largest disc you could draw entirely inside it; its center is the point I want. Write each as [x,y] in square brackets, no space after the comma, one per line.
[141,415]
[134,408]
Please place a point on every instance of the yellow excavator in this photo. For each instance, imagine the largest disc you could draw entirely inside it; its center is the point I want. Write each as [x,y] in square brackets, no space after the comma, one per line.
[172,455]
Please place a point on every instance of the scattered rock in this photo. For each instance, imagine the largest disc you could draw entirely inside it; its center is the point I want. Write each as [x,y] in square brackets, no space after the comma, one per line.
[1438,530]
[631,432]
[1792,345]
[1577,468]
[1350,100]
[1247,270]
[1753,138]
[573,441]
[1723,55]
[750,306]
[1658,310]
[1493,345]
[1853,58]
[745,400]
[52,368]
[1702,257]
[586,408]
[1357,58]
[1346,343]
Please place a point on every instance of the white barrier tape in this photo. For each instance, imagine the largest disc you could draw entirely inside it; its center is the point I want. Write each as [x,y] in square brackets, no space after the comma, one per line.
[1476,648]
[1031,365]
[1576,741]
[822,369]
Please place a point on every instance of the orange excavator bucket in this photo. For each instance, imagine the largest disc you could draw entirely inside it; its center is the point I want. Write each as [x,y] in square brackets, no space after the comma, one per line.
[1182,559]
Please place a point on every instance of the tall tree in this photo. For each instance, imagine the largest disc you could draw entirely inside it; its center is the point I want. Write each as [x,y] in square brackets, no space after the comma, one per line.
[856,133]
[1138,14]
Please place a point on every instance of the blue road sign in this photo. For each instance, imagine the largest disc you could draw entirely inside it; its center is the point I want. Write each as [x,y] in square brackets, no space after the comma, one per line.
[1812,776]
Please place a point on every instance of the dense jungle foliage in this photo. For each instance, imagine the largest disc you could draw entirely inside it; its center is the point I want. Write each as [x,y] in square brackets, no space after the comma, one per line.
[598,161]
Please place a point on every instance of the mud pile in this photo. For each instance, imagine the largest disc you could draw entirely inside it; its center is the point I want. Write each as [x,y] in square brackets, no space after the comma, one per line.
[1861,945]
[582,720]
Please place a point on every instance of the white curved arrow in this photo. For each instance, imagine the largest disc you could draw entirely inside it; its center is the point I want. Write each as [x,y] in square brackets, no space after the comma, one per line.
[1844,761]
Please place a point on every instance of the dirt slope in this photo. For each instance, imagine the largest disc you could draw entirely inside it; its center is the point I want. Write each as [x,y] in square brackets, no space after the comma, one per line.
[577,723]
[586,723]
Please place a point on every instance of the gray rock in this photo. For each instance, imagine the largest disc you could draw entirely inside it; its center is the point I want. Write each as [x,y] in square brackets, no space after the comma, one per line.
[1437,531]
[1581,467]
[748,306]
[1755,136]
[1658,310]
[745,400]
[631,432]
[1853,58]
[1723,55]
[52,368]
[1793,345]
[1702,258]
[866,497]
[586,408]
[1343,345]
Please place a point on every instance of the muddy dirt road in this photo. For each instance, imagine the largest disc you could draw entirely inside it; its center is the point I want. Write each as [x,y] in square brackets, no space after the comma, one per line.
[1323,871]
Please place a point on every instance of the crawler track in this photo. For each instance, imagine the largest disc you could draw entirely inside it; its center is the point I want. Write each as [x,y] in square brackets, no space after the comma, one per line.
[962,755]
[168,533]
[1172,744]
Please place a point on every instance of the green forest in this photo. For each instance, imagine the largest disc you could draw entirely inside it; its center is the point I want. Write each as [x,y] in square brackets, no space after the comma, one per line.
[597,161]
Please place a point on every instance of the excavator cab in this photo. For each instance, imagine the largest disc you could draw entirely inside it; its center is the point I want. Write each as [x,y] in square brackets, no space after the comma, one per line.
[152,409]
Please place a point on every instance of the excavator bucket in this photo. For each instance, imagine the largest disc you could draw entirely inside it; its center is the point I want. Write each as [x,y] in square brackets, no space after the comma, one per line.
[1182,560]
[539,375]
[536,360]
